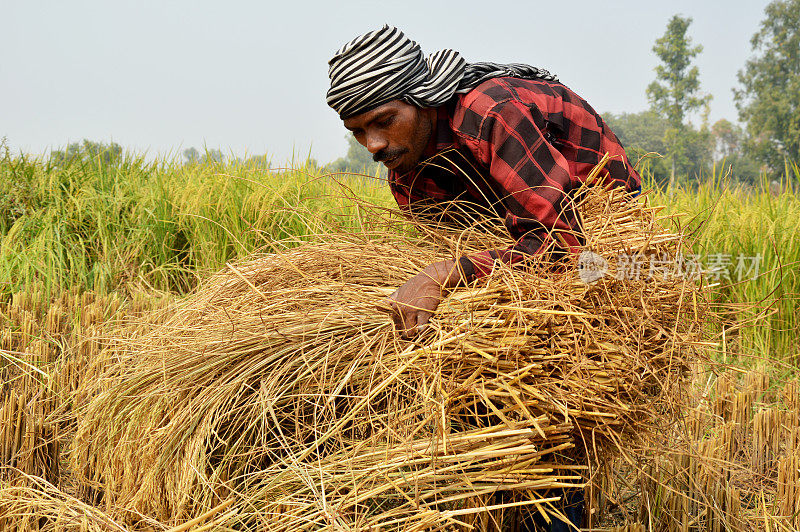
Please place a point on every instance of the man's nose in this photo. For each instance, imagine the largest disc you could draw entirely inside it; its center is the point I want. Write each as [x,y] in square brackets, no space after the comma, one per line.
[376,143]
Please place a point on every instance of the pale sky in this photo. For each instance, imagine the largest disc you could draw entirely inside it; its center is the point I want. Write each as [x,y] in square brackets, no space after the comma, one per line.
[250,77]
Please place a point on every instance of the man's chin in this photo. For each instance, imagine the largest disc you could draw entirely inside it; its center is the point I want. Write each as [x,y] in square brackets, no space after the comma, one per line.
[400,166]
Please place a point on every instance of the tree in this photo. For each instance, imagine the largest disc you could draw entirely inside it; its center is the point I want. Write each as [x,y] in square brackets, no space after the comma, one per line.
[729,148]
[358,159]
[643,135]
[769,98]
[261,162]
[88,151]
[675,93]
[213,156]
[728,139]
[193,156]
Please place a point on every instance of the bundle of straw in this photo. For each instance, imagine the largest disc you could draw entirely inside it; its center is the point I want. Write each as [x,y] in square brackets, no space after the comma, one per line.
[32,503]
[278,384]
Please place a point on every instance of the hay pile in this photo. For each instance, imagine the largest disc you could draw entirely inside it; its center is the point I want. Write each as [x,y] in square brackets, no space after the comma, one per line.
[279,387]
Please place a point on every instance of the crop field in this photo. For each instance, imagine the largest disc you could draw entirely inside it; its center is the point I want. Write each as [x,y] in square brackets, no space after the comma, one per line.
[94,257]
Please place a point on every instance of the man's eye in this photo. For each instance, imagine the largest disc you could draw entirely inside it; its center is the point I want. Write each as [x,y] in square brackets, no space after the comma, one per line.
[386,121]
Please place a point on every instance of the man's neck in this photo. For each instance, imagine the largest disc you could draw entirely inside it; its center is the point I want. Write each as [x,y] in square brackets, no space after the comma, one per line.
[441,134]
[441,139]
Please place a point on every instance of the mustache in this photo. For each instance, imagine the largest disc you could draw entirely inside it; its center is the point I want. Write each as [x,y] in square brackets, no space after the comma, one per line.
[385,155]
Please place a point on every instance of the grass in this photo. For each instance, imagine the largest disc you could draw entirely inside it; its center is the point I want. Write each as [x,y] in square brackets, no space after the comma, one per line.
[279,380]
[85,226]
[98,226]
[760,226]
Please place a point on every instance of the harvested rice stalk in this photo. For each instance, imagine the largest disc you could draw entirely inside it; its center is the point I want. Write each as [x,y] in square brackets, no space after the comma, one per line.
[279,385]
[32,503]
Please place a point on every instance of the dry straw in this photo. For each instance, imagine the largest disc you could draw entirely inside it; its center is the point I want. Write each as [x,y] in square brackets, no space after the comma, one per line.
[277,397]
[278,385]
[733,463]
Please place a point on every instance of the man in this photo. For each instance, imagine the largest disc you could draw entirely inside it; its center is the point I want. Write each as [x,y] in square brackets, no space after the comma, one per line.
[510,140]
[530,140]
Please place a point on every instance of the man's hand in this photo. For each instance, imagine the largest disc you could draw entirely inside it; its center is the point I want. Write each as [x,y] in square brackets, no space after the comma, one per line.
[414,303]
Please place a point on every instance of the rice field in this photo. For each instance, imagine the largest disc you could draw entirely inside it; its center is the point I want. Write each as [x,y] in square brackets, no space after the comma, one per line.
[98,227]
[88,249]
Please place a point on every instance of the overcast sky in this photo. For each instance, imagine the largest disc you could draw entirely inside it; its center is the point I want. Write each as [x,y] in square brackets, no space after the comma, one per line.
[251,76]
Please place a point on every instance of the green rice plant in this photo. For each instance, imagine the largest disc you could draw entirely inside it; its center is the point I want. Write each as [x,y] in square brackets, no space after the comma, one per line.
[99,225]
[731,222]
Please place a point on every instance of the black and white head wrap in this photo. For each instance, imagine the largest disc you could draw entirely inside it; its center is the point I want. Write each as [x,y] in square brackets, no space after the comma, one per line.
[385,65]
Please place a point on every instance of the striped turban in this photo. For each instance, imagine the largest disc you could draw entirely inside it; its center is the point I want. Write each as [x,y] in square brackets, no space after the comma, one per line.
[385,65]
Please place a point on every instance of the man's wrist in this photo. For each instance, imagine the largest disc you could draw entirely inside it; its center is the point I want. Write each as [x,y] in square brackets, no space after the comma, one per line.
[447,274]
[467,269]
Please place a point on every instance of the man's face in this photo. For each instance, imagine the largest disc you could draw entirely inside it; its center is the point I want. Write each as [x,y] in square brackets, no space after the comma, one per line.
[395,133]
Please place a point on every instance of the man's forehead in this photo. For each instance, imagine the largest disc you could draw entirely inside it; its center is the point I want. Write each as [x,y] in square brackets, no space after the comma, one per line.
[368,116]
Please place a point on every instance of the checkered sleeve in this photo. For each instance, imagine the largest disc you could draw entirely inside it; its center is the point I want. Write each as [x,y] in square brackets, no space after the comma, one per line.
[531,178]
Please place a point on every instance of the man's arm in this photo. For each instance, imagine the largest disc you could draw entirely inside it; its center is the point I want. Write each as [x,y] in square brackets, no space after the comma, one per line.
[533,182]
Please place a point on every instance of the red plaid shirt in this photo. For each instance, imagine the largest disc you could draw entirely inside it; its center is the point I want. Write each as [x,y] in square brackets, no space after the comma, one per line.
[515,149]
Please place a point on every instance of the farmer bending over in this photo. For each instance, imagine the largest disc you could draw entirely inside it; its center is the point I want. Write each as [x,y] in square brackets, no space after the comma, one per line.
[509,140]
[527,140]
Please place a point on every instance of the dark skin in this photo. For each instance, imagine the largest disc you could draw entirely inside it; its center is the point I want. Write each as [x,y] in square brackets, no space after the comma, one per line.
[396,134]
